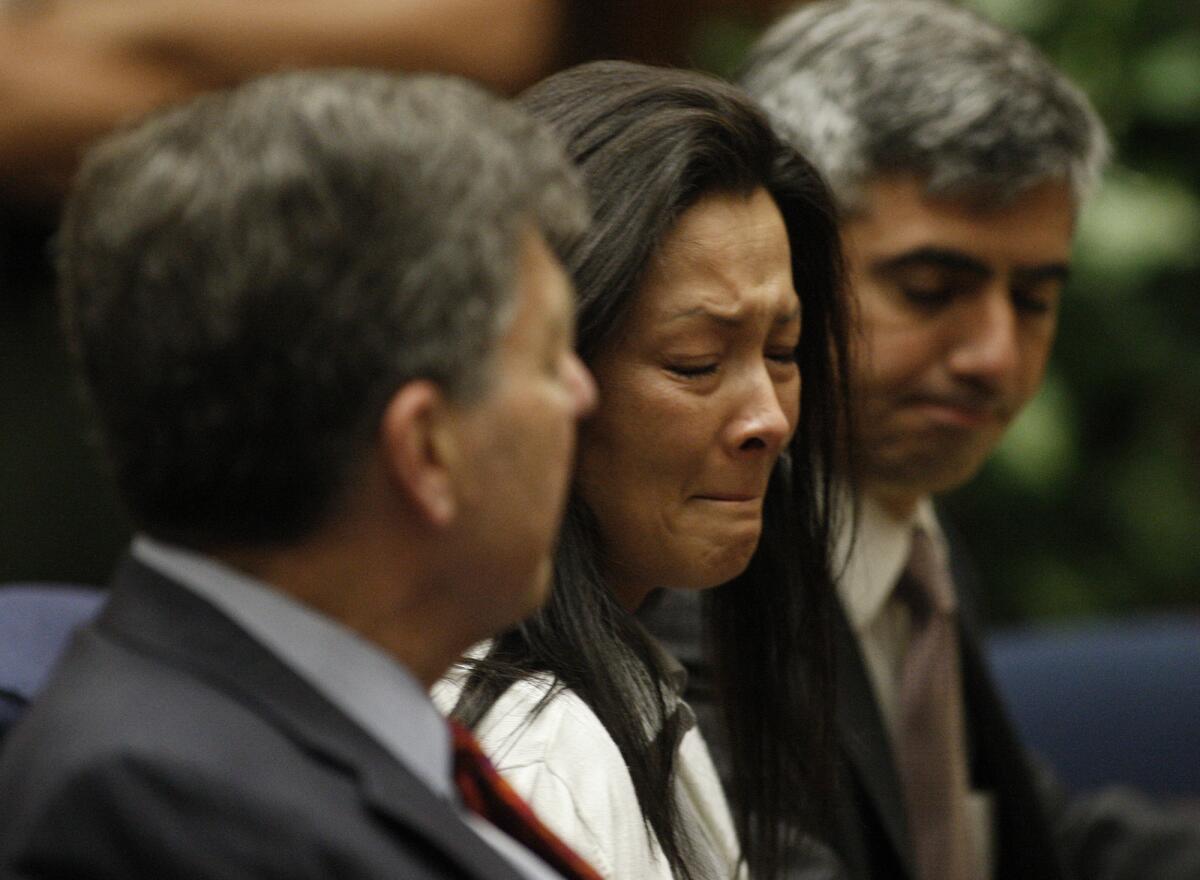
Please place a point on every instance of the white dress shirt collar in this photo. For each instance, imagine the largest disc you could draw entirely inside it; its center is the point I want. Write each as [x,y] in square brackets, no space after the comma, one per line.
[873,548]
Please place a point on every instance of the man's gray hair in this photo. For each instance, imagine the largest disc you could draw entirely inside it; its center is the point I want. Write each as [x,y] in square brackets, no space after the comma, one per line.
[868,88]
[248,279]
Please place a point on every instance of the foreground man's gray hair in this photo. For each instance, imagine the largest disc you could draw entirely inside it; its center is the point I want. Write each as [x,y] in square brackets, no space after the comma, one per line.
[868,88]
[248,278]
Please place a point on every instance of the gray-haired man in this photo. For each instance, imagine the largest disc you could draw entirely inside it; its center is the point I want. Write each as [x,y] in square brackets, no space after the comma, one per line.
[328,339]
[960,158]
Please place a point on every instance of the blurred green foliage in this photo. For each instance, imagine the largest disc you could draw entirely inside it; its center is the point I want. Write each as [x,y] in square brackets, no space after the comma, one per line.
[1091,506]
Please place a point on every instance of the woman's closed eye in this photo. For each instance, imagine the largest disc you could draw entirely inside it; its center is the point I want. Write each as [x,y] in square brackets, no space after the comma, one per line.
[693,369]
[784,354]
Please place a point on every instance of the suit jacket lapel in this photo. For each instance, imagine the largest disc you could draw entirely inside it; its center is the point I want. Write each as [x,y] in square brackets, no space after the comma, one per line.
[863,739]
[1024,845]
[161,618]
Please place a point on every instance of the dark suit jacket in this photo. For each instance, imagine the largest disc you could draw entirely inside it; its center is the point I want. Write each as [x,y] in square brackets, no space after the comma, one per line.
[171,744]
[1039,833]
[871,832]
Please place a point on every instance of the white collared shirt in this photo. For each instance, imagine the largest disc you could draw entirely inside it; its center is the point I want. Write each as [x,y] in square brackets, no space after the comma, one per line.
[559,757]
[872,568]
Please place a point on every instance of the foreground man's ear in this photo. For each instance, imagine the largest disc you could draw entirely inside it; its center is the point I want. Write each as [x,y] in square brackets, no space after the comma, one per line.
[419,447]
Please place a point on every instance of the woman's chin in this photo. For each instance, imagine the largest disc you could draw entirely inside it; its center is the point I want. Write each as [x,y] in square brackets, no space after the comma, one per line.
[719,564]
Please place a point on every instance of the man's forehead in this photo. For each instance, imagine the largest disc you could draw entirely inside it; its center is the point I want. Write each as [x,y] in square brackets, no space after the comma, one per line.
[544,297]
[900,220]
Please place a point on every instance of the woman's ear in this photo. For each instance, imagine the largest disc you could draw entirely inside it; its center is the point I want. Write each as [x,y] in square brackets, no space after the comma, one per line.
[416,440]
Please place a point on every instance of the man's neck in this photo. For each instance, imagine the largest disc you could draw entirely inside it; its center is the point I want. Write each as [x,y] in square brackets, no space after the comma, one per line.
[899,505]
[349,589]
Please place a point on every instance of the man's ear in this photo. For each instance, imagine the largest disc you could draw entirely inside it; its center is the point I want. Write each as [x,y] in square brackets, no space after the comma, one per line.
[416,440]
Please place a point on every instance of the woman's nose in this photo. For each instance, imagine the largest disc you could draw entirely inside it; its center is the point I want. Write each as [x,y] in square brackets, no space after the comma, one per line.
[766,420]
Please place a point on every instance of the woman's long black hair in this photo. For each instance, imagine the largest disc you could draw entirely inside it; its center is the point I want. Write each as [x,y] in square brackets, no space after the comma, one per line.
[650,143]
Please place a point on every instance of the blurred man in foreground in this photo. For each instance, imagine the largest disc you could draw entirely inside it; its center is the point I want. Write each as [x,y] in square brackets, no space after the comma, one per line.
[960,159]
[328,339]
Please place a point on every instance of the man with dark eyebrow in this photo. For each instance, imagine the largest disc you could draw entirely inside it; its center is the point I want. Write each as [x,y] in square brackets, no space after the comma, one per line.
[960,159]
[921,270]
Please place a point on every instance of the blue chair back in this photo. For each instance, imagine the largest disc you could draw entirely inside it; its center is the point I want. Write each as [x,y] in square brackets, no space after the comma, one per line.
[36,623]
[1115,702]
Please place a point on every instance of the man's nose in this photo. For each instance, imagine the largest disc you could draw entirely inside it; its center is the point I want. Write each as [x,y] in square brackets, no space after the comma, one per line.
[987,347]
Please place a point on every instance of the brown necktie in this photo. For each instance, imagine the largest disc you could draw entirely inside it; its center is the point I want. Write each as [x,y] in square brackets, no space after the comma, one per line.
[930,744]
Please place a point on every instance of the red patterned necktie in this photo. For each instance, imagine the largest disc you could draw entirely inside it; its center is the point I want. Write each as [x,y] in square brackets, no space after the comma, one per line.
[486,794]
